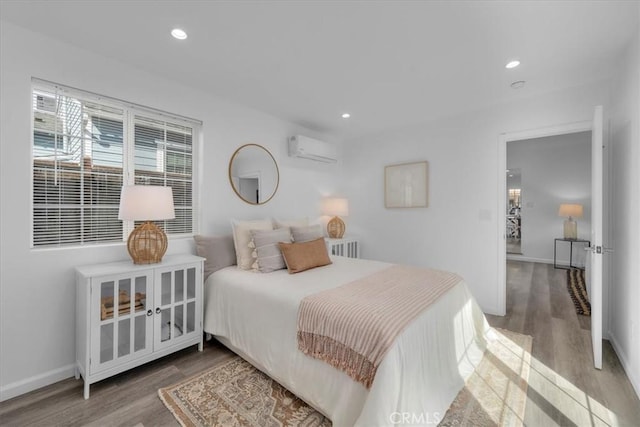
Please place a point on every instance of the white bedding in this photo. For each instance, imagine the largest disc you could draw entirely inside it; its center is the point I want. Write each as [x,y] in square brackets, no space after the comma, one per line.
[255,315]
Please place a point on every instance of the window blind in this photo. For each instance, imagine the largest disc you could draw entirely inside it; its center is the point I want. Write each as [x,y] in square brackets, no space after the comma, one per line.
[85,147]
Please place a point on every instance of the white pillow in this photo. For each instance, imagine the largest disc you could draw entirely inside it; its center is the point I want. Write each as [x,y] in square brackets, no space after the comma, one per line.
[306,234]
[242,238]
[302,222]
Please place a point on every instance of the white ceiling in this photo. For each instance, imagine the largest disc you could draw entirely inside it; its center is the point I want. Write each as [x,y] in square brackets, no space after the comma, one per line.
[388,63]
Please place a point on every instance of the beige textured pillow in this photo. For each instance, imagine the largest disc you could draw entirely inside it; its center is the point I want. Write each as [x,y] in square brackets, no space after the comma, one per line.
[304,256]
[242,238]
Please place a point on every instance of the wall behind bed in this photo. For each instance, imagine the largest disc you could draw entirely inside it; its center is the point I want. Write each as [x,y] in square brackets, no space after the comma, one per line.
[37,289]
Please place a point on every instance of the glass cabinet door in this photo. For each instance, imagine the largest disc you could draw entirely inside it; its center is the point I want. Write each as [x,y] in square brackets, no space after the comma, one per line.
[176,301]
[122,323]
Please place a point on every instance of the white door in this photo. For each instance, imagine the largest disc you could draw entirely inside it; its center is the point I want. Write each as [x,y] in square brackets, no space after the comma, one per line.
[596,252]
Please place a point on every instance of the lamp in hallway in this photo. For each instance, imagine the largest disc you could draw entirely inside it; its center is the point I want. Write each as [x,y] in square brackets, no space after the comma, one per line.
[147,243]
[335,207]
[570,211]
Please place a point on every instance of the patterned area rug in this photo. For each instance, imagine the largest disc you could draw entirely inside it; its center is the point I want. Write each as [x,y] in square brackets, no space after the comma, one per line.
[236,394]
[577,288]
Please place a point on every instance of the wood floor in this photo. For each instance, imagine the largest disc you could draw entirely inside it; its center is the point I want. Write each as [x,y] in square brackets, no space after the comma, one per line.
[564,389]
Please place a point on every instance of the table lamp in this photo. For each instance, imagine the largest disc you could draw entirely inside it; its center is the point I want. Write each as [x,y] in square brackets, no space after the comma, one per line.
[147,243]
[335,207]
[570,226]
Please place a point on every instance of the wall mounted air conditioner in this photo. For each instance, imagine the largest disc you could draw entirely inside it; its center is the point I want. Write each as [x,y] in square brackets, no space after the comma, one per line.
[312,149]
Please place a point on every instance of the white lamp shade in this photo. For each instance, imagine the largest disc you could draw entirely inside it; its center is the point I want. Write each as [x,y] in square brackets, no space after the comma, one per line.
[146,203]
[570,210]
[334,206]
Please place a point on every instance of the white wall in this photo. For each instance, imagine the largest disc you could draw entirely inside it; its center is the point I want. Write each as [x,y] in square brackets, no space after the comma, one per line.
[554,170]
[37,344]
[624,296]
[460,228]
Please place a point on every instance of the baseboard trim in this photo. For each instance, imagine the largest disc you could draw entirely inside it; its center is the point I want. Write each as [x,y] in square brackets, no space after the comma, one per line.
[515,257]
[635,382]
[17,388]
[492,311]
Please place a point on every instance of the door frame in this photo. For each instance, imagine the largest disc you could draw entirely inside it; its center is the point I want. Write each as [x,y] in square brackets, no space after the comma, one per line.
[503,138]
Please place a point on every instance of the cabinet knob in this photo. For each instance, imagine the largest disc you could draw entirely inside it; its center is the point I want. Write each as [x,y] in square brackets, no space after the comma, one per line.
[149,312]
[158,310]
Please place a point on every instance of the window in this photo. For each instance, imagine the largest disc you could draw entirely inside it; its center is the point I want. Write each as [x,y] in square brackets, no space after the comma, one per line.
[85,147]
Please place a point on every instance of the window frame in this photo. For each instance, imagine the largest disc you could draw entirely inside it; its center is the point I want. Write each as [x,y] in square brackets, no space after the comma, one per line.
[130,111]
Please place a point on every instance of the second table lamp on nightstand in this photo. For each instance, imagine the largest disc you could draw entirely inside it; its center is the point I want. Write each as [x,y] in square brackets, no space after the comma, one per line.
[147,243]
[335,207]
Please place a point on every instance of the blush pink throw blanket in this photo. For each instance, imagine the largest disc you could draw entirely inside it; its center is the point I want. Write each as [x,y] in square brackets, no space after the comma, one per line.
[352,327]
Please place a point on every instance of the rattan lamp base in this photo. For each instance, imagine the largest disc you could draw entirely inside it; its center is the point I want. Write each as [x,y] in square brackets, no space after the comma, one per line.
[147,244]
[335,228]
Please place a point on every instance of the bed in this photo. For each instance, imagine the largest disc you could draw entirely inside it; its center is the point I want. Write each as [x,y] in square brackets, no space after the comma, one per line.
[255,316]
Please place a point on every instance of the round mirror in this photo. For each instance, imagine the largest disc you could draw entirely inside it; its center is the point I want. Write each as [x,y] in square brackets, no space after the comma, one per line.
[253,173]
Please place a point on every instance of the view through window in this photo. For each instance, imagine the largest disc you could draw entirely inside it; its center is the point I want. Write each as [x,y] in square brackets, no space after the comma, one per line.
[85,147]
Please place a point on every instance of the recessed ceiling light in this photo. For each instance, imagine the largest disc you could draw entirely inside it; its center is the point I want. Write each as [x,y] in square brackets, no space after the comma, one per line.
[178,34]
[346,115]
[512,64]
[518,84]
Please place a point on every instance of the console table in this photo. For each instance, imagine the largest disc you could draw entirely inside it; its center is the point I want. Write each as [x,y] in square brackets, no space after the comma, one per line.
[571,242]
[129,314]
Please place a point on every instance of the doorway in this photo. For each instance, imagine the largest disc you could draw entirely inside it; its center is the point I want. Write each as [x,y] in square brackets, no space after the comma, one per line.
[249,189]
[597,268]
[503,141]
[544,174]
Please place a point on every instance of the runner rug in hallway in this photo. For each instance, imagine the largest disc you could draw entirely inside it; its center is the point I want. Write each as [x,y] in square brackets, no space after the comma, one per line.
[235,393]
[577,288]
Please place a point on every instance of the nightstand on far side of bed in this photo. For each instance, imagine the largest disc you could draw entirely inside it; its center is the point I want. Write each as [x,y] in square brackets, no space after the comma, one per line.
[347,246]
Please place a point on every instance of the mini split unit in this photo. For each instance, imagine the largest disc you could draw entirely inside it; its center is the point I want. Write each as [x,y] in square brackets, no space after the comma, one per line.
[312,149]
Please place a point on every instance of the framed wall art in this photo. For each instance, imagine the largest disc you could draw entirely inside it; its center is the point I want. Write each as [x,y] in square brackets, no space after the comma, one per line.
[406,185]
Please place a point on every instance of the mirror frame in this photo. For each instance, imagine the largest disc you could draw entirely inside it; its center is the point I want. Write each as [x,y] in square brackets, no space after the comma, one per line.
[235,190]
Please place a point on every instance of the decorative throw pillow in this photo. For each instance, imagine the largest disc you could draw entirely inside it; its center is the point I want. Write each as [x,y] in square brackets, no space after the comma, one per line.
[305,234]
[267,252]
[302,222]
[306,255]
[242,237]
[217,250]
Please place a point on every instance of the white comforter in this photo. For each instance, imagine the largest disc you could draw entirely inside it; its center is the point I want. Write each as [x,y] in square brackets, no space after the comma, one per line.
[255,315]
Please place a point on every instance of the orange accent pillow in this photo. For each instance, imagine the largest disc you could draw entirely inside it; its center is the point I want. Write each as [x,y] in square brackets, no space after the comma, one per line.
[305,255]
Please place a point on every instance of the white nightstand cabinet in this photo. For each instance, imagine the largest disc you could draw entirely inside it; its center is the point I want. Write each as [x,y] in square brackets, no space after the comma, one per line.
[347,247]
[127,314]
